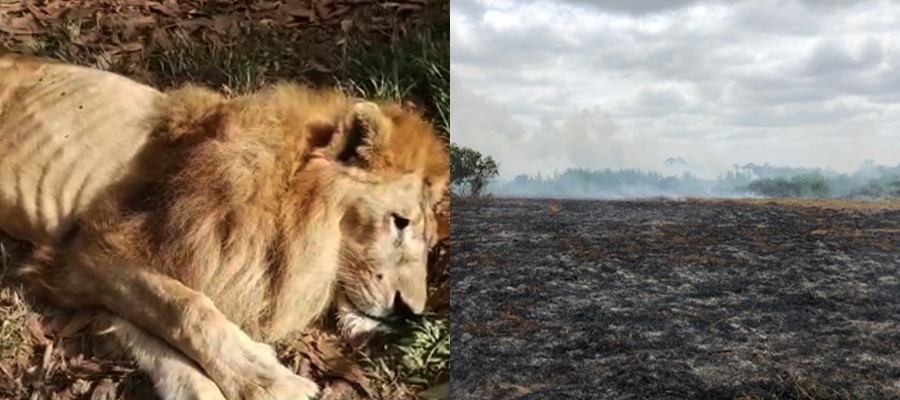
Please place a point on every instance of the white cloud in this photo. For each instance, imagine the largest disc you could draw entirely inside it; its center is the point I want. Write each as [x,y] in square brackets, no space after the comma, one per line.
[554,84]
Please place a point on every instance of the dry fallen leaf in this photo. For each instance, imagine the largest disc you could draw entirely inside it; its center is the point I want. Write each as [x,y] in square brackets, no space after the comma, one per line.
[346,25]
[24,25]
[80,387]
[319,67]
[298,9]
[37,331]
[105,390]
[324,356]
[169,10]
[11,6]
[46,363]
[39,14]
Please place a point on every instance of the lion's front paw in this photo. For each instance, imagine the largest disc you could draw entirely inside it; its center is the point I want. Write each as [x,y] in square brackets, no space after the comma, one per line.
[294,387]
[285,387]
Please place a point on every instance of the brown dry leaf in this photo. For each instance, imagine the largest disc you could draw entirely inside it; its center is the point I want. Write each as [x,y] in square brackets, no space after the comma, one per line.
[39,14]
[105,390]
[77,13]
[159,37]
[64,395]
[131,22]
[8,381]
[134,3]
[80,387]
[322,355]
[24,25]
[322,9]
[225,24]
[46,362]
[337,12]
[309,357]
[346,25]
[85,367]
[195,23]
[170,10]
[296,8]
[11,6]
[319,67]
[36,330]
[132,46]
[340,390]
[6,373]
[265,6]
[407,7]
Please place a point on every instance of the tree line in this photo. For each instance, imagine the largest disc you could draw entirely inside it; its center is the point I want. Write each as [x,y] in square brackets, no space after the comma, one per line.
[472,172]
[748,180]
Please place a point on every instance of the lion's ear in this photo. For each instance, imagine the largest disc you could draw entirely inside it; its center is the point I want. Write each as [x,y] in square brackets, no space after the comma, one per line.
[366,131]
[325,137]
[372,121]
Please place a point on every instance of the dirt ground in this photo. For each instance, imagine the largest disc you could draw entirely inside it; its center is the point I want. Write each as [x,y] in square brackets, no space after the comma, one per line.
[669,299]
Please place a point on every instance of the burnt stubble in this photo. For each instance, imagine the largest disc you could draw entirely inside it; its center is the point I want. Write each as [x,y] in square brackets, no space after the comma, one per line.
[664,299]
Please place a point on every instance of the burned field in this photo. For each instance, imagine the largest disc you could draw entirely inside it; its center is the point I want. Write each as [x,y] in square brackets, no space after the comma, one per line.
[675,299]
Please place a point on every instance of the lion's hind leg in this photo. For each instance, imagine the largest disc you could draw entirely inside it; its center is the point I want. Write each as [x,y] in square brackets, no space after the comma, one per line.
[174,376]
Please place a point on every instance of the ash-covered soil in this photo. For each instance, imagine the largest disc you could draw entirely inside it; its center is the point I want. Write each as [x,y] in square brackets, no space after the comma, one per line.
[666,299]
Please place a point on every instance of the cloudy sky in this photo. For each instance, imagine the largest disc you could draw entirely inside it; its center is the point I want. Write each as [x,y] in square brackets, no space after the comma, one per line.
[549,84]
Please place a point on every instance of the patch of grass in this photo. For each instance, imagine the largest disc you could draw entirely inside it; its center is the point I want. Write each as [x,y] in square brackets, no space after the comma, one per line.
[231,66]
[15,315]
[416,69]
[418,356]
[243,62]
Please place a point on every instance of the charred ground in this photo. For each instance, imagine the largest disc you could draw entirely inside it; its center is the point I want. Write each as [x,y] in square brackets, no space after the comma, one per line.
[675,299]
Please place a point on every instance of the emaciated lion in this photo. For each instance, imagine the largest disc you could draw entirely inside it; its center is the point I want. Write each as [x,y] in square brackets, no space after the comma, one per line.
[243,219]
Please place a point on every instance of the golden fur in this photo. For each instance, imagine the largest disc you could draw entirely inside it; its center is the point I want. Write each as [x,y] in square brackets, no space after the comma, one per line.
[250,217]
[67,133]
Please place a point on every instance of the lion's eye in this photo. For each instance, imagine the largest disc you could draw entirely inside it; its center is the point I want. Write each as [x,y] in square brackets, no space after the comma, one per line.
[400,222]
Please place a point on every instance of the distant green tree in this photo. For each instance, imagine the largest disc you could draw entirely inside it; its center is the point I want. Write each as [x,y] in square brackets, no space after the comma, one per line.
[804,185]
[470,171]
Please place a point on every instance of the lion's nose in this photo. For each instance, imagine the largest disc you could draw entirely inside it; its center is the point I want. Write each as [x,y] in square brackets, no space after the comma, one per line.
[400,309]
